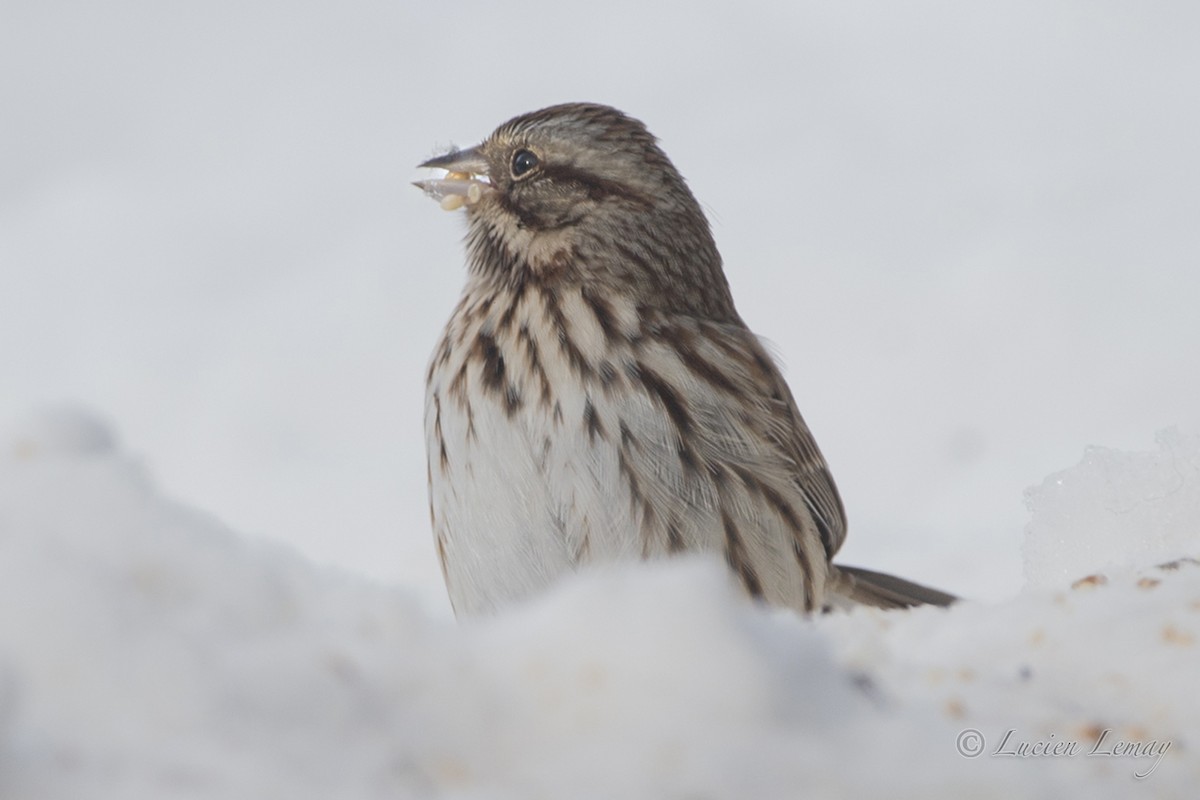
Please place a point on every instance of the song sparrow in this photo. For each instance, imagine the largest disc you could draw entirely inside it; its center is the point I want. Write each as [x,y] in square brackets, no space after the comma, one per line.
[595,397]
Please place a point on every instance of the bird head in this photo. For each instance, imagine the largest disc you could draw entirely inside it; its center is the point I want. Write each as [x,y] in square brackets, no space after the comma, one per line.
[582,191]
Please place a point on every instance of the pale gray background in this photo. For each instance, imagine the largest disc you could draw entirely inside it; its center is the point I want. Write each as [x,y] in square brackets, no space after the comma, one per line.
[970,231]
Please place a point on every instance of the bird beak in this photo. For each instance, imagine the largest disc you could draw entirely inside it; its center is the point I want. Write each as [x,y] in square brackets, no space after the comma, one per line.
[465,182]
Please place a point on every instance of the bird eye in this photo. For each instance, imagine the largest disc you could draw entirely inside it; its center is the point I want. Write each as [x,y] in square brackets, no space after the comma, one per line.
[522,162]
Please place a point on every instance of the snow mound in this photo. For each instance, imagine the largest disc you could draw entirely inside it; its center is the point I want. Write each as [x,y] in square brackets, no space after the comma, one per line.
[147,651]
[60,430]
[1115,509]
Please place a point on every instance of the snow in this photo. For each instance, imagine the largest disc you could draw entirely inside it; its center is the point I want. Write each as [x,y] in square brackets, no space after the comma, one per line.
[146,650]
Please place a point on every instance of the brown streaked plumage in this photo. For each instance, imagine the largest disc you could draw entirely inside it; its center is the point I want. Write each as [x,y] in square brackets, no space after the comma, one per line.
[596,397]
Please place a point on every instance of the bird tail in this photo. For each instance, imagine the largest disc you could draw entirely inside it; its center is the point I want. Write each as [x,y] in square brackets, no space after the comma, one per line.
[852,586]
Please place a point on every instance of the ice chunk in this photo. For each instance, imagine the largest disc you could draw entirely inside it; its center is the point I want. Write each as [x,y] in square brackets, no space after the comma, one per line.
[1115,509]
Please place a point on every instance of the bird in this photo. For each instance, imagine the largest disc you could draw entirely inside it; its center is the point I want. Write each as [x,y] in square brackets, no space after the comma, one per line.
[596,398]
